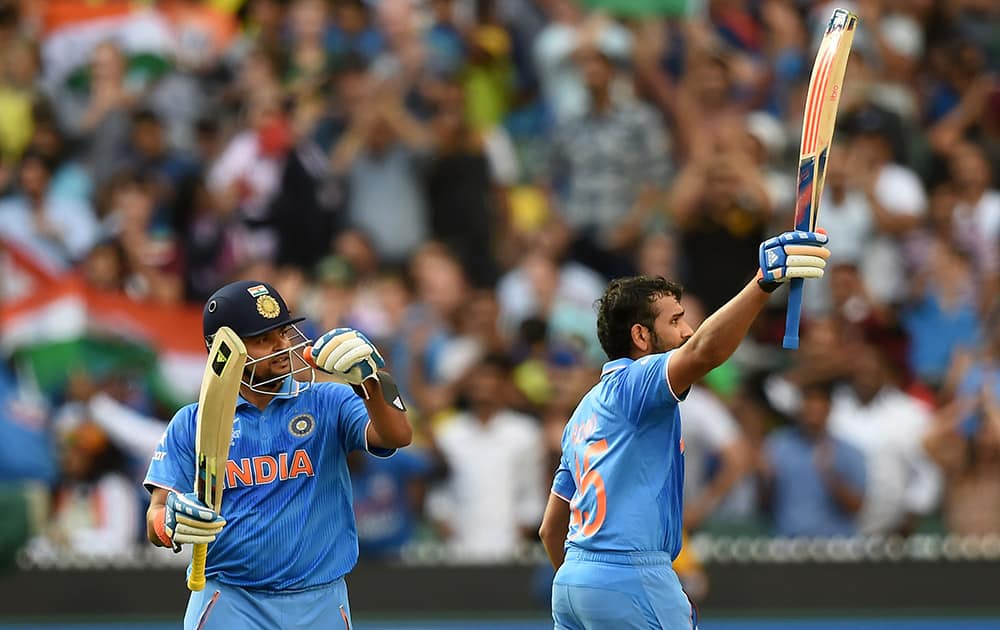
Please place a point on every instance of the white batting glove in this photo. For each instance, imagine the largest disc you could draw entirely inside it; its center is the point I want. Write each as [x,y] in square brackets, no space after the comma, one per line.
[188,520]
[347,354]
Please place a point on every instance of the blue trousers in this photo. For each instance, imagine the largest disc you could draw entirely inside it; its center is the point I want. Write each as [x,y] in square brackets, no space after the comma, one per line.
[634,591]
[223,607]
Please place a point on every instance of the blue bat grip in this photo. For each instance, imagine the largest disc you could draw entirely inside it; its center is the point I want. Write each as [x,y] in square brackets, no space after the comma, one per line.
[792,315]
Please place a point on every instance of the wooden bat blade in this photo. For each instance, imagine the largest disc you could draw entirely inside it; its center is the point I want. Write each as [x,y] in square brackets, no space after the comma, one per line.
[220,388]
[818,123]
[820,115]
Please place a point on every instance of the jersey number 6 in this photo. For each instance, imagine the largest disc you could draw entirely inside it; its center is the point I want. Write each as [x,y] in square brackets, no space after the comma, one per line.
[587,523]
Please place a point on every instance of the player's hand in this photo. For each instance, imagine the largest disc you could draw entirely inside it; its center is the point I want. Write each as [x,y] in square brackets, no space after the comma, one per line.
[347,354]
[791,255]
[188,520]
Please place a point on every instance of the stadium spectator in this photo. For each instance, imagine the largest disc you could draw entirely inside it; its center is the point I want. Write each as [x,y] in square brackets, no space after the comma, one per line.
[492,501]
[887,425]
[715,456]
[388,500]
[815,483]
[57,230]
[95,508]
[612,162]
[965,442]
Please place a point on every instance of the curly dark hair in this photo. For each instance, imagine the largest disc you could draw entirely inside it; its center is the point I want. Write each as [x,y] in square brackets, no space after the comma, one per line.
[625,302]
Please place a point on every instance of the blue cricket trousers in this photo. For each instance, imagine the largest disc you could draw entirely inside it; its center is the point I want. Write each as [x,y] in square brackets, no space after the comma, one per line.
[625,591]
[224,607]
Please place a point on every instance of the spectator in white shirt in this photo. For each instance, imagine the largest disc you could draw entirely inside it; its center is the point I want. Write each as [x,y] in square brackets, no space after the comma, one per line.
[895,195]
[888,426]
[715,456]
[56,230]
[495,493]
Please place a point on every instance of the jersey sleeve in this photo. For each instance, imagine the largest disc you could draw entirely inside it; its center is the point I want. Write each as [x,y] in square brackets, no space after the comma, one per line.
[352,419]
[563,485]
[646,387]
[172,464]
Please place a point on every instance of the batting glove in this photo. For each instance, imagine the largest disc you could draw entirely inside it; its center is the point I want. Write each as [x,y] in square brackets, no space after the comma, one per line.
[188,520]
[347,354]
[792,255]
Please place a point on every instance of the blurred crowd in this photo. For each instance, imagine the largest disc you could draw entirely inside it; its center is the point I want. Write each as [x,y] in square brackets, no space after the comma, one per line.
[459,179]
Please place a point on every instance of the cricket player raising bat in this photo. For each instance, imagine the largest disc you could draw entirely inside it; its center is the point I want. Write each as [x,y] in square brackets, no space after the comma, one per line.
[612,525]
[285,537]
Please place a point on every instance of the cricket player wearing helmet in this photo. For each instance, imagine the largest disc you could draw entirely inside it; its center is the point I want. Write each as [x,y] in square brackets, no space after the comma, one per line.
[285,536]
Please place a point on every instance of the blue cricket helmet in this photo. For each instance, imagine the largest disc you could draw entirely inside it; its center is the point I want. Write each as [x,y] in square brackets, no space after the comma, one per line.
[248,307]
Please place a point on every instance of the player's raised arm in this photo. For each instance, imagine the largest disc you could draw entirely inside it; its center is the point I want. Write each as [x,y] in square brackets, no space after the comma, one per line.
[786,256]
[351,357]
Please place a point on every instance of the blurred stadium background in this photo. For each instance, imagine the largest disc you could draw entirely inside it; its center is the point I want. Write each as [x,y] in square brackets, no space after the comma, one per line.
[458,179]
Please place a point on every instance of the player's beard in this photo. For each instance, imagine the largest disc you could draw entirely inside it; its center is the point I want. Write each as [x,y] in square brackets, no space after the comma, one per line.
[659,346]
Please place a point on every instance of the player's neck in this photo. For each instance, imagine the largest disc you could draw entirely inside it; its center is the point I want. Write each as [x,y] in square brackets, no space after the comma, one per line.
[257,399]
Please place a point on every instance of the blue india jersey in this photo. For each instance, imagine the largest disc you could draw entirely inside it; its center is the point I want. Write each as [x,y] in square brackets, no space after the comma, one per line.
[287,502]
[622,465]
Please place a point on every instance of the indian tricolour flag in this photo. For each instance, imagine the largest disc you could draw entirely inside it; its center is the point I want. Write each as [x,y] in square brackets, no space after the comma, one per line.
[54,324]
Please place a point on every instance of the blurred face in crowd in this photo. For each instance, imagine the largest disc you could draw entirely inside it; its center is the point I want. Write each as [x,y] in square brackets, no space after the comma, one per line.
[870,151]
[949,267]
[351,16]
[107,64]
[485,387]
[80,450]
[564,11]
[481,314]
[393,299]
[357,251]
[354,87]
[441,283]
[132,206]
[837,168]
[597,70]
[969,168]
[941,207]
[266,14]
[380,137]
[709,80]
[658,256]
[104,267]
[815,411]
[845,283]
[443,11]
[21,64]
[35,177]
[308,18]
[543,275]
[869,373]
[147,136]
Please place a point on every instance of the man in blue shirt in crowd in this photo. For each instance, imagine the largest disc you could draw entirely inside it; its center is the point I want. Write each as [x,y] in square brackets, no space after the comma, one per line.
[815,481]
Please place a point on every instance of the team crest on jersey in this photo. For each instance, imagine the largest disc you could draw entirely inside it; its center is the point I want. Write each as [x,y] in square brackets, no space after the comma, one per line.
[302,425]
[268,306]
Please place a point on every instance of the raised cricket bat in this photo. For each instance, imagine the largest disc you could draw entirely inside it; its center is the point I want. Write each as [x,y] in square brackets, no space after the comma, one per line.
[220,387]
[817,133]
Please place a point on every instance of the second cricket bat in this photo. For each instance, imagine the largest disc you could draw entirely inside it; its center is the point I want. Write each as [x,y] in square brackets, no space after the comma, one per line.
[818,123]
[220,388]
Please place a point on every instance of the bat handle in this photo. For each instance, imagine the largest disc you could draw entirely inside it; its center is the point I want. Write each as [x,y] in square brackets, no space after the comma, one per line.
[793,314]
[196,581]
